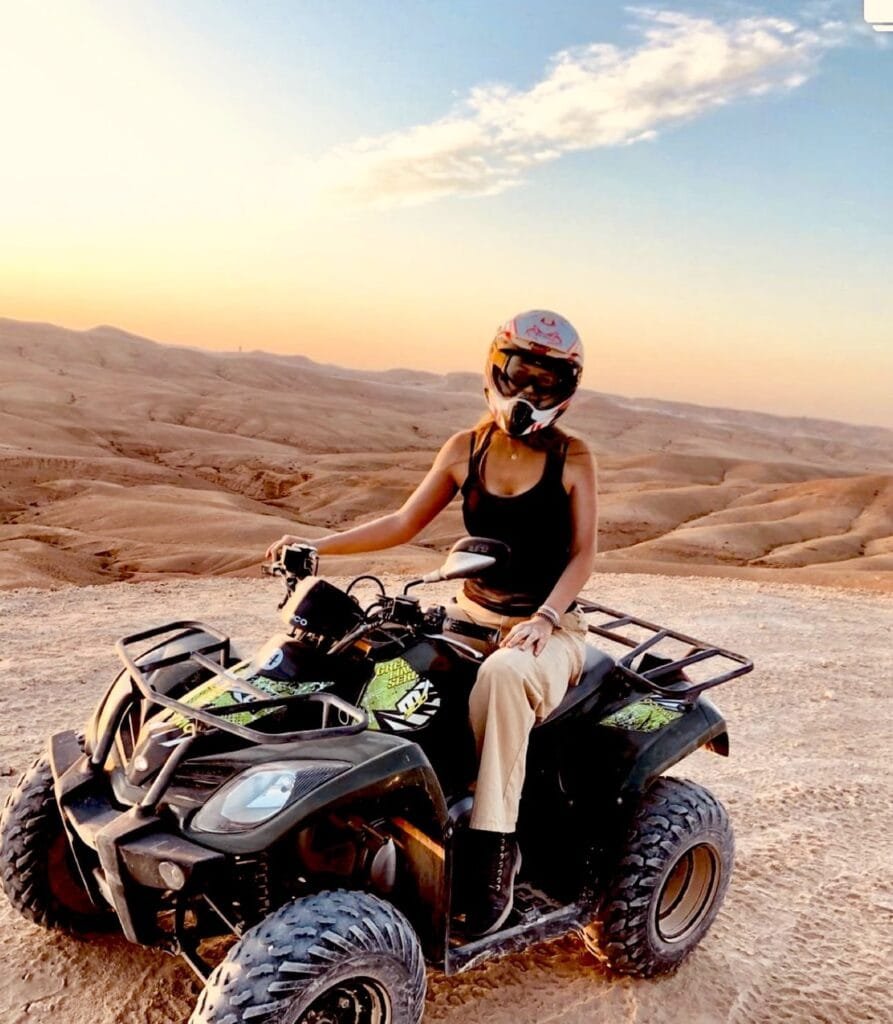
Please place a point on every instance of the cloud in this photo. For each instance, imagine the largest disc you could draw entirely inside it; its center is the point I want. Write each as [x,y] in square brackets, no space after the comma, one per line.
[589,96]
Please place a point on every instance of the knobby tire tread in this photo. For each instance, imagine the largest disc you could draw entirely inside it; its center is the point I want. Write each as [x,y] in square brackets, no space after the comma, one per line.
[29,824]
[299,943]
[672,811]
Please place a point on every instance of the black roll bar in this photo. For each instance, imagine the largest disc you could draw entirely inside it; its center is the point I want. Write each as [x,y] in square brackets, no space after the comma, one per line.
[212,717]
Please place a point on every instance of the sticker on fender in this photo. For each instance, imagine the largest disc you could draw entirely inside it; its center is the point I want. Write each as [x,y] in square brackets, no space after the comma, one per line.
[644,715]
[219,693]
[398,699]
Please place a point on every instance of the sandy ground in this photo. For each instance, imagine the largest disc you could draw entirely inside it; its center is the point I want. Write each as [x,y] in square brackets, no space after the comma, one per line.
[806,933]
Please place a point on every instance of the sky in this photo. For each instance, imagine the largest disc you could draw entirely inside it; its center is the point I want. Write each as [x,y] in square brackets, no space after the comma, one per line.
[703,189]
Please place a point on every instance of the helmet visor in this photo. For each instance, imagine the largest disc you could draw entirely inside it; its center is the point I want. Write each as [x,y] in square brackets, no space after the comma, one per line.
[542,381]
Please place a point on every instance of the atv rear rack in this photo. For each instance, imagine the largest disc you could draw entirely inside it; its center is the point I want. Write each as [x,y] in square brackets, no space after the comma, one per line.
[678,686]
[214,717]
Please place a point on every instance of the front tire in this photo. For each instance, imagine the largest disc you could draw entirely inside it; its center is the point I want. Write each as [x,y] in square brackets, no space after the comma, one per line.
[668,885]
[332,958]
[37,869]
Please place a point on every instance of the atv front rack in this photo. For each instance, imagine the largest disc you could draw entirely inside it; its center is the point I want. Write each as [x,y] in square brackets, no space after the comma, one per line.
[215,717]
[663,675]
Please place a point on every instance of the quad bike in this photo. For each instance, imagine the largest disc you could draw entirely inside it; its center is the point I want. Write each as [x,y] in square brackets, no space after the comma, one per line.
[312,802]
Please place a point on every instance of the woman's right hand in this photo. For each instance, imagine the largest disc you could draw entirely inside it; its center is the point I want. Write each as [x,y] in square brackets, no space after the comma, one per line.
[287,538]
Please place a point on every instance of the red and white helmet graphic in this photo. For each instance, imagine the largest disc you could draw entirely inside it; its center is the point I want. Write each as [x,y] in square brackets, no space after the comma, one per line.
[532,371]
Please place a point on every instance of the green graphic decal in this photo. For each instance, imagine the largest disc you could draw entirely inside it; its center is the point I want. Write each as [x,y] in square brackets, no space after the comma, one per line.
[217,693]
[391,681]
[398,699]
[644,715]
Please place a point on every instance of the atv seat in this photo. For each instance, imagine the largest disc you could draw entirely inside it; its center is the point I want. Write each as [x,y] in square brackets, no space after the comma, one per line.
[596,666]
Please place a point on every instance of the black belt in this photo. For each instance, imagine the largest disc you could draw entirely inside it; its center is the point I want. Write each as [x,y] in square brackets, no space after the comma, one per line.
[463,628]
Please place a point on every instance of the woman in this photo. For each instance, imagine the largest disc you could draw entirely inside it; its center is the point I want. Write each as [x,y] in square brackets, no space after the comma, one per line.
[527,483]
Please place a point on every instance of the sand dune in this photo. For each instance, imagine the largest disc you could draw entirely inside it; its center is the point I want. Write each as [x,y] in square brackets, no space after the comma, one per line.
[817,522]
[124,459]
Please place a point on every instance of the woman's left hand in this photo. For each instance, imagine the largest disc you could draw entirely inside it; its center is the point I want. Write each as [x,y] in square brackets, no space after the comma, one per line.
[529,635]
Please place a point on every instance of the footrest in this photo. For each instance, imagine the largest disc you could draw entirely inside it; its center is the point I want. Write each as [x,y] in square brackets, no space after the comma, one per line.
[530,904]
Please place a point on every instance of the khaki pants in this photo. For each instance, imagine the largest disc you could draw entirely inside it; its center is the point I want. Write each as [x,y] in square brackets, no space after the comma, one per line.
[514,690]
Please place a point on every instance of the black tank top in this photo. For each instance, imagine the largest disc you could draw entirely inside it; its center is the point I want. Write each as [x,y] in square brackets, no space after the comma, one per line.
[535,524]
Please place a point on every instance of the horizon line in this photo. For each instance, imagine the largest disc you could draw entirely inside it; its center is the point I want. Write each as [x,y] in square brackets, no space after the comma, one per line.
[434,373]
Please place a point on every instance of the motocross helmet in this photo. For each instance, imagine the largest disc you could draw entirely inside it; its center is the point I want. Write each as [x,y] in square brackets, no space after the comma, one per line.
[532,371]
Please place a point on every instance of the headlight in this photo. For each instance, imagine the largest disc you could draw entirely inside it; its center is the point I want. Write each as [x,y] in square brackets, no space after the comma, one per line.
[260,793]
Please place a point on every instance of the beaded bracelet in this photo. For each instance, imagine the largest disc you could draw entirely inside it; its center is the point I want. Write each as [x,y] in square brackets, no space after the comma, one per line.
[547,612]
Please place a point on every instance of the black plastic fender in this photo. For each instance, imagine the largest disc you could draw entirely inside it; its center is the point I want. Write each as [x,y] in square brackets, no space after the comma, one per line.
[390,774]
[629,749]
[592,774]
[699,725]
[381,765]
[623,747]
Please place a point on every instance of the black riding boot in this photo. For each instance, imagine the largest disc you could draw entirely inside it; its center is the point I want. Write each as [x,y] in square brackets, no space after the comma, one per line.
[497,860]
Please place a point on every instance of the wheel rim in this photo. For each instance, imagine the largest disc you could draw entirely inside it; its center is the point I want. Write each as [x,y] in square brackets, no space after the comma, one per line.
[688,893]
[353,1001]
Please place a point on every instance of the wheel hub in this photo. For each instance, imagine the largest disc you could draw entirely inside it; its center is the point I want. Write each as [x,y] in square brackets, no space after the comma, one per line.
[354,1001]
[688,892]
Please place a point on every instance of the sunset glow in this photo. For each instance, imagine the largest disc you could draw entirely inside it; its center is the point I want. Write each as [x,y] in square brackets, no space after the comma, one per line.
[704,194]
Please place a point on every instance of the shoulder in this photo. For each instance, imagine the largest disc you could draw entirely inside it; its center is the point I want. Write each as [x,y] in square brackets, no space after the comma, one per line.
[456,446]
[579,463]
[576,448]
[452,459]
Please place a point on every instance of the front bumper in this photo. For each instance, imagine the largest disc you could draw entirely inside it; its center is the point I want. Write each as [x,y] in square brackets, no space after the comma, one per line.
[123,852]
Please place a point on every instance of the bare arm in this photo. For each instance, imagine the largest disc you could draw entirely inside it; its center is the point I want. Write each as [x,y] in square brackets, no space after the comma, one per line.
[433,494]
[581,474]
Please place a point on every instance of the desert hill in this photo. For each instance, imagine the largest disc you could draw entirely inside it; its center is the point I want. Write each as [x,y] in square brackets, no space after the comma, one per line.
[123,458]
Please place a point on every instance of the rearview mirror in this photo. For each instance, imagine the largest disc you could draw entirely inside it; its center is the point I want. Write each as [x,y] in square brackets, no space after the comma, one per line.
[469,557]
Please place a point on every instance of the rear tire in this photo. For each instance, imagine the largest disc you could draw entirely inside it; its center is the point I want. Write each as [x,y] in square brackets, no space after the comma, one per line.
[332,958]
[669,884]
[37,869]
